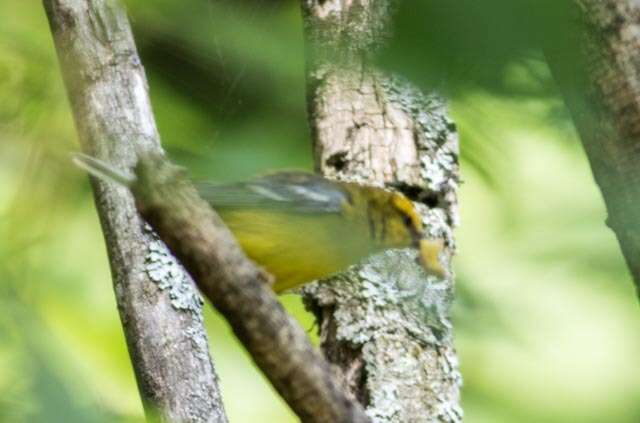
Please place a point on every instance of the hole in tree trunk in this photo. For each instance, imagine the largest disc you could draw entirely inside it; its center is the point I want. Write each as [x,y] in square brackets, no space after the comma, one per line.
[338,160]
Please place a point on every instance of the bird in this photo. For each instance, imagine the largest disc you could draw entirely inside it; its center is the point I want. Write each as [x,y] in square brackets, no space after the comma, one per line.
[303,227]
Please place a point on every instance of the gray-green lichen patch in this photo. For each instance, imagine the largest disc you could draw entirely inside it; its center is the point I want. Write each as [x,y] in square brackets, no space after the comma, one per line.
[393,294]
[398,315]
[409,389]
[170,277]
[434,134]
[437,145]
[163,269]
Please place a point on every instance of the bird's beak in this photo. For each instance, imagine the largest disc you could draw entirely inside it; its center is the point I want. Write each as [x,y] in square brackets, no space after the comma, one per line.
[430,250]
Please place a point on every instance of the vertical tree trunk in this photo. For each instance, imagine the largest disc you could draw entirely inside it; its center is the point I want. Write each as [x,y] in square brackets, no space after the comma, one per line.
[597,67]
[385,323]
[160,309]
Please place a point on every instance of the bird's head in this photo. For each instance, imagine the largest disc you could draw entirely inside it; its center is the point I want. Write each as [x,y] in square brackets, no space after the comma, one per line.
[394,222]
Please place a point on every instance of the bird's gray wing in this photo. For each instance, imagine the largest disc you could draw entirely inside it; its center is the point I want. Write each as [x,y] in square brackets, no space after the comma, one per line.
[295,192]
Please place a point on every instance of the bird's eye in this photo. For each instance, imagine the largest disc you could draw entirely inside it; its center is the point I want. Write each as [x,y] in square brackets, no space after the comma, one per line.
[407,220]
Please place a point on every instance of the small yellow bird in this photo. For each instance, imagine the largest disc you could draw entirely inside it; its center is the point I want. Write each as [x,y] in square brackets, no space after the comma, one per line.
[301,227]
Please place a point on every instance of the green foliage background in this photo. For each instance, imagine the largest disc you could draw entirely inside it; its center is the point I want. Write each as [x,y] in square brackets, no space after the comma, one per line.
[546,319]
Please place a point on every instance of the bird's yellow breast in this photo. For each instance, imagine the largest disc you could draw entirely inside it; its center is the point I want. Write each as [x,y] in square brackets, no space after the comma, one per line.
[297,248]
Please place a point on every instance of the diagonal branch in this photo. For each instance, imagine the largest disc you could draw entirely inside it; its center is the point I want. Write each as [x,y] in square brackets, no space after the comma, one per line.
[241,292]
[160,310]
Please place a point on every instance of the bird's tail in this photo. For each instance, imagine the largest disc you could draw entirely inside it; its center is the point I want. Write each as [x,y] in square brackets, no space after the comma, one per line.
[102,170]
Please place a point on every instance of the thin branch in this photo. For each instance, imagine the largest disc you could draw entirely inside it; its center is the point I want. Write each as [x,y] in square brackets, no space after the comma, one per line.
[160,309]
[242,293]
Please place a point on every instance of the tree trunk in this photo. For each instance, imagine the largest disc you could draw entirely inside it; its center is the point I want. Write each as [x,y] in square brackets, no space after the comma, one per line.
[597,68]
[384,322]
[160,310]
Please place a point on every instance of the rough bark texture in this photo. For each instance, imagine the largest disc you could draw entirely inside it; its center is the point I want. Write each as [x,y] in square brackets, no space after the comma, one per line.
[241,292]
[597,67]
[160,309]
[384,322]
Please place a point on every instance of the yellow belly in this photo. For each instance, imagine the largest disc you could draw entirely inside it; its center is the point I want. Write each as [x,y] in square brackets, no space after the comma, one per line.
[297,248]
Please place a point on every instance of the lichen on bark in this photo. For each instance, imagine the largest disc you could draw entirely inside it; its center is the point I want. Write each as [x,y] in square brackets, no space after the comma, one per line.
[171,277]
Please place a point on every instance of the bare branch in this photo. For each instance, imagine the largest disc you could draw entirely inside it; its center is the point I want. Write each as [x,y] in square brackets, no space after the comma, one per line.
[160,309]
[241,292]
